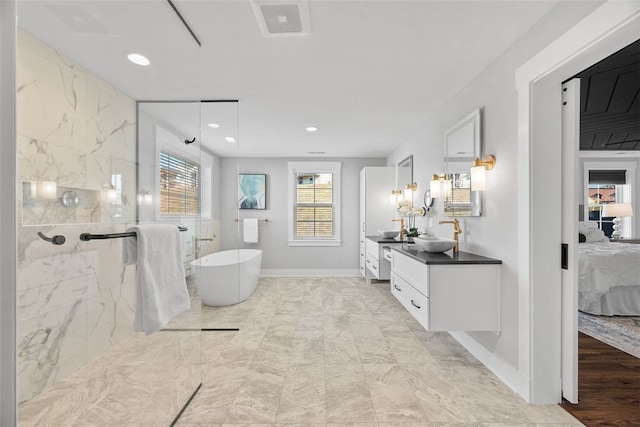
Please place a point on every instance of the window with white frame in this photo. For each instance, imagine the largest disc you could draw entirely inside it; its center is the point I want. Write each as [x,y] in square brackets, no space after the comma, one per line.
[314,203]
[179,185]
[608,182]
[183,179]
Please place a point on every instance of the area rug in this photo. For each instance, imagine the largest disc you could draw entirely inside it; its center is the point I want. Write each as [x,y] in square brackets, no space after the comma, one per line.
[621,332]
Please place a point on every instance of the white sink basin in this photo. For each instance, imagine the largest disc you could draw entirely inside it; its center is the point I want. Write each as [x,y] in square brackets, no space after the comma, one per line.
[434,244]
[388,234]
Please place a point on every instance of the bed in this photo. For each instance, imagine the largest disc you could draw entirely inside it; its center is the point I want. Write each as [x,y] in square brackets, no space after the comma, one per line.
[609,276]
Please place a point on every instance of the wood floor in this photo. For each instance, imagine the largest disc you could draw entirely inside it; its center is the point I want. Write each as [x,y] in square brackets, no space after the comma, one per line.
[608,385]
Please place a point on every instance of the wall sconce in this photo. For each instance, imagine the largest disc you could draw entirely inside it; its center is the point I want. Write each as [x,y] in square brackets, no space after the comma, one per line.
[440,186]
[144,198]
[393,197]
[46,189]
[408,191]
[478,172]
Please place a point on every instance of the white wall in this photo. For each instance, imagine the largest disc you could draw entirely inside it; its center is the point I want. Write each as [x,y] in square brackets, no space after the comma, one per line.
[7,214]
[493,234]
[278,257]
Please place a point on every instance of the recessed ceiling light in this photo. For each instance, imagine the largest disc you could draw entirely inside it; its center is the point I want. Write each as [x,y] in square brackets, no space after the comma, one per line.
[138,59]
[213,125]
[311,129]
[230,139]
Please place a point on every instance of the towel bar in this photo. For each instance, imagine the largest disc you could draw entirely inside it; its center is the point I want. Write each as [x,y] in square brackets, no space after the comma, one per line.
[85,237]
[261,220]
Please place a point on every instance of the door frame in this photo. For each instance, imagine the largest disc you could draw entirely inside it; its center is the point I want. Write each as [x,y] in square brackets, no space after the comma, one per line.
[606,30]
[8,388]
[571,199]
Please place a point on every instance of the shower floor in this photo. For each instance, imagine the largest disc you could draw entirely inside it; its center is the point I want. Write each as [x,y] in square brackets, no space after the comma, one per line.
[309,351]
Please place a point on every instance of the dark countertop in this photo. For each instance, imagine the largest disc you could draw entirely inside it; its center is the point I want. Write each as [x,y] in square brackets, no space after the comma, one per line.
[445,258]
[380,239]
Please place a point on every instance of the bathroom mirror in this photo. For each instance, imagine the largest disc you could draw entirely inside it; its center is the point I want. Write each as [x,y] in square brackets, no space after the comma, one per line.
[461,146]
[404,173]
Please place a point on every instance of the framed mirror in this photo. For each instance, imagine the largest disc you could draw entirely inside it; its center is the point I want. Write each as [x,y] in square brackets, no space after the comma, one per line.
[461,146]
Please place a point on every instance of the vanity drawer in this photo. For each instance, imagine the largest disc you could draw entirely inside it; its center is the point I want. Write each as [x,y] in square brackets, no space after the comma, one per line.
[372,248]
[413,272]
[415,303]
[387,254]
[374,266]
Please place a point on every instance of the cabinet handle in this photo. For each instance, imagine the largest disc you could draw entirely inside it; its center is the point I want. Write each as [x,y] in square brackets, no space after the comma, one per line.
[375,268]
[414,304]
[361,254]
[397,288]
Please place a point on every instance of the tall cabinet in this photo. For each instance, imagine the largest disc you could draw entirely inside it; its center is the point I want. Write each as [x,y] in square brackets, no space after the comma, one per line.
[376,183]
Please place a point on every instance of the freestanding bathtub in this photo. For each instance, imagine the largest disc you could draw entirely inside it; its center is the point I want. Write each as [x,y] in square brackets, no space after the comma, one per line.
[227,277]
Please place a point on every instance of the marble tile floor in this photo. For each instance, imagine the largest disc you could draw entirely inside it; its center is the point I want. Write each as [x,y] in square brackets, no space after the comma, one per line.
[309,352]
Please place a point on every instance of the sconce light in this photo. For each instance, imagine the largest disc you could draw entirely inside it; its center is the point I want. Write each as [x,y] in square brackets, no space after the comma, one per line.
[478,172]
[110,192]
[46,189]
[393,197]
[408,191]
[145,198]
[440,186]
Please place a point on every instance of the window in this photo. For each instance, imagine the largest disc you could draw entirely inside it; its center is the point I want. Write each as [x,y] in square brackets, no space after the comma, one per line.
[179,185]
[314,202]
[608,182]
[183,186]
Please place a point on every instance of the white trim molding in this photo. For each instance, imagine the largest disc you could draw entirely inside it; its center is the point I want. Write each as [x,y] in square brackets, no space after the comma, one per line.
[514,379]
[314,167]
[345,272]
[609,28]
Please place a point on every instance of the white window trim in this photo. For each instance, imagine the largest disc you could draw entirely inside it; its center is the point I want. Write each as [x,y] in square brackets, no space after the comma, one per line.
[167,141]
[315,167]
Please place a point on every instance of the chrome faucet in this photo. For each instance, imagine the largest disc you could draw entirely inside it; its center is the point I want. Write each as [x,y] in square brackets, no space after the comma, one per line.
[456,231]
[401,221]
[201,240]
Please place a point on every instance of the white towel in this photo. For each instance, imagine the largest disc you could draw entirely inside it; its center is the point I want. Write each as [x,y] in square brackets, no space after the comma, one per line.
[250,232]
[161,289]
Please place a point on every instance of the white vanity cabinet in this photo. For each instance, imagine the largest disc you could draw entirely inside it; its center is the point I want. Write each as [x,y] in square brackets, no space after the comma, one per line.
[448,292]
[377,264]
[376,183]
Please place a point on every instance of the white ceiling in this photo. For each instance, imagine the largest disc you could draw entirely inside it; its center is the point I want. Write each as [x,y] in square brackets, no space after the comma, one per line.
[369,73]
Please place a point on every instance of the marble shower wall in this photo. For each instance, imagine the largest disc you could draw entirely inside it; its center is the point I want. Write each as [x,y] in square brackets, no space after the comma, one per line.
[75,300]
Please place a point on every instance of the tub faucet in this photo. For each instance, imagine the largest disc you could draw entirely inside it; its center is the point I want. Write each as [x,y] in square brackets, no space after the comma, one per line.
[456,230]
[201,240]
[401,221]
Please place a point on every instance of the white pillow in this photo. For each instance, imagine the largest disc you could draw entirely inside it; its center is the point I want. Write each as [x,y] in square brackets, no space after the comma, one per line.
[584,226]
[594,235]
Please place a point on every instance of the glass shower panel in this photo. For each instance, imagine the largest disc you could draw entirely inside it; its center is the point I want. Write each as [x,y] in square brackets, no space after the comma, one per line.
[81,169]
[216,272]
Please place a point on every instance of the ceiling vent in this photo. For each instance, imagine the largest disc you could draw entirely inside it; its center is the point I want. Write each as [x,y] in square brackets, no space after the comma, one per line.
[278,18]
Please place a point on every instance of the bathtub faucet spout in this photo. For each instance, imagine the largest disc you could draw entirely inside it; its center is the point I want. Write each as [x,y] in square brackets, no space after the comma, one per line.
[201,240]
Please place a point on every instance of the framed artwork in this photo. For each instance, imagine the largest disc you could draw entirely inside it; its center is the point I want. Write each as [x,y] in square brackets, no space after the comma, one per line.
[252,191]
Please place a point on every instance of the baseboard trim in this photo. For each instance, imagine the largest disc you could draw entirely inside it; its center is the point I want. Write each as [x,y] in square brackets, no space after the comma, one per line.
[509,375]
[309,272]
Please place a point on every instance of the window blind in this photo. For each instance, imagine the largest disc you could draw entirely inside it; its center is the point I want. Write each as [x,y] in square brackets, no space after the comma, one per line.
[618,177]
[179,185]
[314,205]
